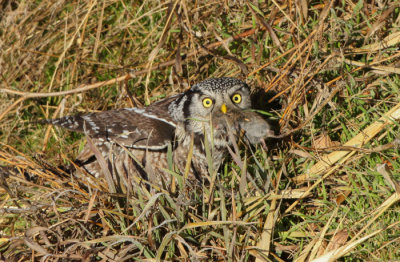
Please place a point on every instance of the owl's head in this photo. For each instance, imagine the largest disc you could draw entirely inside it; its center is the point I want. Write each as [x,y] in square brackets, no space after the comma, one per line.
[211,98]
[215,107]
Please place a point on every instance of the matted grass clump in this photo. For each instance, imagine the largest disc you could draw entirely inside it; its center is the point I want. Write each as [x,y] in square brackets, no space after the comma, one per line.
[327,73]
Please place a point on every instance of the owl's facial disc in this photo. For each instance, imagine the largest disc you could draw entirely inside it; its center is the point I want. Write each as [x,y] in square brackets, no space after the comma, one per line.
[206,106]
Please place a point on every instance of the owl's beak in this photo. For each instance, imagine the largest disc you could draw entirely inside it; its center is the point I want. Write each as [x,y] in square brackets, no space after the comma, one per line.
[223,108]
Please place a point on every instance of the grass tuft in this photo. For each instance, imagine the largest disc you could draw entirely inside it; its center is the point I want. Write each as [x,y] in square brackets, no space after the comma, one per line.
[328,189]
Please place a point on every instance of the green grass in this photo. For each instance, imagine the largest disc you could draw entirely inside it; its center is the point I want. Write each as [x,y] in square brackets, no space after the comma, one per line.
[225,222]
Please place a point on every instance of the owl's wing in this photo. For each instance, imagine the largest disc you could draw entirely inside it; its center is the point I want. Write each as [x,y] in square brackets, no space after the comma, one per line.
[131,127]
[160,108]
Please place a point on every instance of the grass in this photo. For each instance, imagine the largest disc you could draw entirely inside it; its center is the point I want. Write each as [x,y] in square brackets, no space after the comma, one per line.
[331,67]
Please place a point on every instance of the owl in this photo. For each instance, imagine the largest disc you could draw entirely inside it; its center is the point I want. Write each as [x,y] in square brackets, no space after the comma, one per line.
[185,134]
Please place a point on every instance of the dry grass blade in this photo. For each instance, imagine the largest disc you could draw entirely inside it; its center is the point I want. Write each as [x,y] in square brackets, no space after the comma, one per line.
[104,167]
[344,250]
[70,42]
[324,164]
[189,158]
[321,237]
[149,205]
[9,108]
[387,69]
[385,171]
[265,242]
[90,206]
[390,40]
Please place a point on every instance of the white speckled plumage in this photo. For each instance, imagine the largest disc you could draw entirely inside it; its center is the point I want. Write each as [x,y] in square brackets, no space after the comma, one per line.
[134,141]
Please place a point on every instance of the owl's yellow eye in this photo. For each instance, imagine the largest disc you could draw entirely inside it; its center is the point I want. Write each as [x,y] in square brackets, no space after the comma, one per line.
[237,98]
[207,102]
